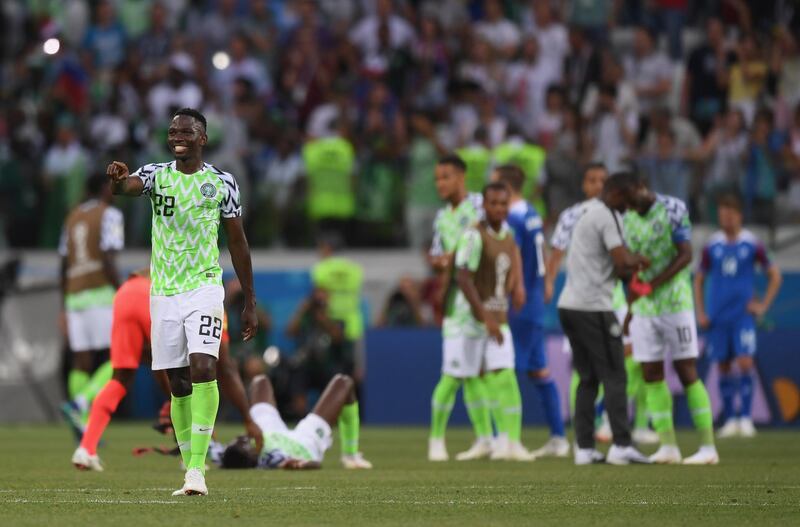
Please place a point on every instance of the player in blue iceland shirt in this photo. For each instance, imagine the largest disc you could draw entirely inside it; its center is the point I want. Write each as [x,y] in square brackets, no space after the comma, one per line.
[728,308]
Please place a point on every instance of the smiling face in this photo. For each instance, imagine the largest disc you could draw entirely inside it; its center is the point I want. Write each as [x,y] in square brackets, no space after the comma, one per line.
[186,137]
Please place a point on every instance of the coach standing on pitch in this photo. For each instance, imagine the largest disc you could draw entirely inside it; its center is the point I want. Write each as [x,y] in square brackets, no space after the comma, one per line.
[597,257]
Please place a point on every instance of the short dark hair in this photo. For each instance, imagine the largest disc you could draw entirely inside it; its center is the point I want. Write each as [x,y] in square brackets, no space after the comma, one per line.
[191,112]
[511,175]
[95,184]
[235,456]
[609,89]
[495,187]
[730,200]
[454,161]
[593,166]
[623,181]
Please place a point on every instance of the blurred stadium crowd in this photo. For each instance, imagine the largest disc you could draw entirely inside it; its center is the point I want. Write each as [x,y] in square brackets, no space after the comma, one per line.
[332,113]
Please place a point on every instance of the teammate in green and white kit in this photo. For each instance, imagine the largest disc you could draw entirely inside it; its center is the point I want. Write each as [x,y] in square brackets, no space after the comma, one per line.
[463,210]
[658,228]
[189,199]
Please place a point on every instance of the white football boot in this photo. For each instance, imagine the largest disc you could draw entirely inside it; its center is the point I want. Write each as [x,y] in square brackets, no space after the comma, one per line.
[588,456]
[85,461]
[481,448]
[501,448]
[667,455]
[746,427]
[555,447]
[437,451]
[194,484]
[645,436]
[355,462]
[729,429]
[624,455]
[707,455]
[517,452]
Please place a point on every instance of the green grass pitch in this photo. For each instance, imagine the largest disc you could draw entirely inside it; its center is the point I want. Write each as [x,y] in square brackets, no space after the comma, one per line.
[757,481]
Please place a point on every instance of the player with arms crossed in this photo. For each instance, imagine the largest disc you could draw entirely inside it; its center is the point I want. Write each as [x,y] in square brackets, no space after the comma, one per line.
[488,267]
[527,323]
[462,211]
[189,199]
[305,446]
[730,260]
[658,227]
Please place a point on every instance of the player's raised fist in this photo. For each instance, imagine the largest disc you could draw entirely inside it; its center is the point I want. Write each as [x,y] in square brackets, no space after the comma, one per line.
[117,171]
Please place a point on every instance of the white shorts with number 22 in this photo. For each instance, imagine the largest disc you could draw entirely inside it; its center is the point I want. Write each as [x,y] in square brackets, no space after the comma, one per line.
[186,323]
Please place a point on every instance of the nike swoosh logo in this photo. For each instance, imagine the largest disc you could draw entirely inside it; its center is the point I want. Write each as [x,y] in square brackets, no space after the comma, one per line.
[208,341]
[166,186]
[203,429]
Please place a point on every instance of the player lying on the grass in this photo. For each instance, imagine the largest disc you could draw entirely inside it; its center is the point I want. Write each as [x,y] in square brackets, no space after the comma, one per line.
[730,260]
[190,199]
[526,323]
[488,271]
[305,445]
[462,210]
[130,335]
[594,177]
[663,324]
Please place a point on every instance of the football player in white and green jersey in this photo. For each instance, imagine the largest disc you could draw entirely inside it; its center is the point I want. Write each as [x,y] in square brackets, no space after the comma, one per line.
[190,198]
[463,210]
[663,324]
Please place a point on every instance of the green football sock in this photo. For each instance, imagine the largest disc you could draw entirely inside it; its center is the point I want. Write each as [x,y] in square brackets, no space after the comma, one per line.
[349,423]
[205,403]
[636,391]
[76,381]
[659,404]
[490,380]
[505,384]
[700,407]
[444,397]
[96,383]
[574,381]
[181,414]
[476,399]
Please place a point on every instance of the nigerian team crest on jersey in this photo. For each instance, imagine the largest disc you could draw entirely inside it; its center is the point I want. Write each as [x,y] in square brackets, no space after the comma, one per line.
[186,223]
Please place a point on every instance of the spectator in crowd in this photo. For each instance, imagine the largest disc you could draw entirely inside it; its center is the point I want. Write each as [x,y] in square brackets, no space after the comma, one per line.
[177,90]
[422,200]
[666,169]
[706,79]
[649,70]
[551,121]
[155,43]
[762,172]
[672,15]
[582,66]
[477,155]
[105,41]
[747,77]
[552,36]
[277,187]
[685,136]
[385,25]
[64,172]
[501,34]
[724,148]
[793,162]
[329,167]
[243,66]
[563,166]
[612,133]
[526,83]
[481,68]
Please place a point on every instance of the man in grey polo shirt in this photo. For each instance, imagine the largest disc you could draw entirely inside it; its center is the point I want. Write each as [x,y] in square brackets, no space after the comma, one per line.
[597,257]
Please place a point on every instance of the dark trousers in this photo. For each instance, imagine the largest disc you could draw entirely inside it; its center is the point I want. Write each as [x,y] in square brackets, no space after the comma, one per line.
[599,357]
